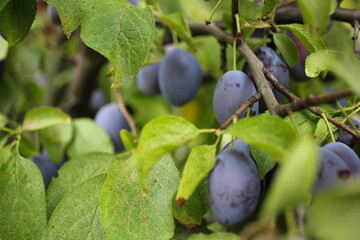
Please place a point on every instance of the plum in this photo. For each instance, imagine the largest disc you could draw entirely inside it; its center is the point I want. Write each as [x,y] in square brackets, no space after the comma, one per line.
[346,154]
[147,79]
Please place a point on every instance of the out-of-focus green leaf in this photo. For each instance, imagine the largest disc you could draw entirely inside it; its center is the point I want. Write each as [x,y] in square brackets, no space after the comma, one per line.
[287,48]
[176,22]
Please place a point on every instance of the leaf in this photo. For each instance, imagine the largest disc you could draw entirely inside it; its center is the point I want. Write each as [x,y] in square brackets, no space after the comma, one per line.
[128,139]
[3,120]
[322,132]
[16,17]
[306,122]
[78,216]
[270,134]
[22,199]
[200,162]
[127,214]
[269,5]
[263,161]
[311,44]
[344,65]
[250,11]
[43,117]
[191,213]
[5,153]
[118,30]
[56,139]
[287,48]
[335,213]
[176,22]
[75,172]
[316,14]
[27,148]
[159,137]
[294,180]
[89,137]
[215,236]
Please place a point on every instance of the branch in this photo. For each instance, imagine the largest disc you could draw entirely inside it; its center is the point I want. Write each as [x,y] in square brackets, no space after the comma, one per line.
[254,98]
[355,37]
[314,110]
[311,100]
[293,15]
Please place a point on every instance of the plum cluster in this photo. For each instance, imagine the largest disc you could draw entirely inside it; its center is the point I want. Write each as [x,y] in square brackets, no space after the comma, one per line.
[178,77]
[234,185]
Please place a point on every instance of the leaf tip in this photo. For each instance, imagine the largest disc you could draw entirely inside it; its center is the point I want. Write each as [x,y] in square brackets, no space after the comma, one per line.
[181,202]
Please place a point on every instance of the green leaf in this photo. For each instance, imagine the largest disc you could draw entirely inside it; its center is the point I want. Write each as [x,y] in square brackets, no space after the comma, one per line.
[27,148]
[306,122]
[215,236]
[269,5]
[287,48]
[43,117]
[5,153]
[75,172]
[118,30]
[263,161]
[77,216]
[294,179]
[344,65]
[311,44]
[176,22]
[22,199]
[200,162]
[316,14]
[128,139]
[127,214]
[3,120]
[89,137]
[335,213]
[191,213]
[17,17]
[250,11]
[4,47]
[159,137]
[322,132]
[56,139]
[270,134]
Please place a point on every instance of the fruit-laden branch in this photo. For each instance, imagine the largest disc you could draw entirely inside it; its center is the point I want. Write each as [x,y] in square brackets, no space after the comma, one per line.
[293,97]
[254,63]
[294,15]
[254,98]
[356,38]
[311,100]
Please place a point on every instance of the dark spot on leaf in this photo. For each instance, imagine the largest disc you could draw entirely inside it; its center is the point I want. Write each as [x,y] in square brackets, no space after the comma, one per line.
[181,202]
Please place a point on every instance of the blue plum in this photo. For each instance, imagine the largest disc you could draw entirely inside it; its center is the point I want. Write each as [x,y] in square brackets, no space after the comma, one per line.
[348,138]
[234,186]
[97,99]
[346,154]
[46,166]
[147,79]
[112,120]
[276,66]
[180,77]
[53,15]
[332,170]
[134,2]
[233,89]
[298,71]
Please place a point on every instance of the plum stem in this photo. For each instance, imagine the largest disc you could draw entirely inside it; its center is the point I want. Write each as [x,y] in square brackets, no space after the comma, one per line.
[328,126]
[213,11]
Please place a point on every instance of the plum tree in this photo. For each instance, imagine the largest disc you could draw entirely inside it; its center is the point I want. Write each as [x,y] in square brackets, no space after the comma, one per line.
[346,154]
[298,71]
[46,166]
[234,186]
[112,120]
[332,170]
[346,137]
[147,79]
[276,66]
[233,89]
[180,77]
[53,15]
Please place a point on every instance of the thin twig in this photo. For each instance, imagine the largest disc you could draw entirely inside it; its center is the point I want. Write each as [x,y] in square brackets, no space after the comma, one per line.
[253,99]
[356,38]
[223,67]
[125,112]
